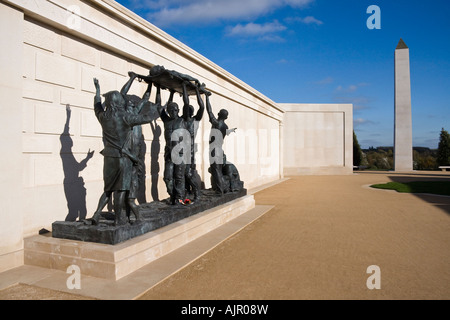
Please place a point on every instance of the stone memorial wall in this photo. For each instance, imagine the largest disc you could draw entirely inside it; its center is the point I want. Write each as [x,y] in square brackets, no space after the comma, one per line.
[54,168]
[51,161]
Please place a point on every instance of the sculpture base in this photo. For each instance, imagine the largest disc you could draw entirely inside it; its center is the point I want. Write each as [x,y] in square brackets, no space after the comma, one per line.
[117,261]
[155,215]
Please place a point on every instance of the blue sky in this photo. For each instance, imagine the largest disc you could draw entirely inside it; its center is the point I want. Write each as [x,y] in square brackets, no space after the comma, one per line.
[317,51]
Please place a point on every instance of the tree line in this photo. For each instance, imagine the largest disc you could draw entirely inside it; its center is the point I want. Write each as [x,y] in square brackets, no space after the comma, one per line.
[382,158]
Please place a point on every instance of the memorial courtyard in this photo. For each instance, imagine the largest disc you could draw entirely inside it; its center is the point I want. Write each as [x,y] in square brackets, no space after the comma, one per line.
[101,187]
[311,237]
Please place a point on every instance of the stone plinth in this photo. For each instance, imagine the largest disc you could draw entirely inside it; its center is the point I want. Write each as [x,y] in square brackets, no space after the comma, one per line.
[155,214]
[117,261]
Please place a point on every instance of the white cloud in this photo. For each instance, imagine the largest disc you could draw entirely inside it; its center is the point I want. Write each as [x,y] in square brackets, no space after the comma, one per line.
[360,121]
[305,20]
[271,38]
[179,12]
[297,3]
[311,20]
[351,88]
[254,29]
[325,81]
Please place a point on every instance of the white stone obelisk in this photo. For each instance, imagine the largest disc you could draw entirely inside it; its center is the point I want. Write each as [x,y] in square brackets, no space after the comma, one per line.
[403,149]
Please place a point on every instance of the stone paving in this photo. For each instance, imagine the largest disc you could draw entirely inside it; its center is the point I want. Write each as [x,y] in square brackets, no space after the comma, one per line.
[316,242]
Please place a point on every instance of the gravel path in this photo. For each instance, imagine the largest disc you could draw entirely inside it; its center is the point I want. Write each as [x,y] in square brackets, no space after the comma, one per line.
[320,239]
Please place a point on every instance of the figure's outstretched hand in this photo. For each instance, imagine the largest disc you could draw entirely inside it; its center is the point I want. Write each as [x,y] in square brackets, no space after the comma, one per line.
[132,74]
[96,82]
[90,154]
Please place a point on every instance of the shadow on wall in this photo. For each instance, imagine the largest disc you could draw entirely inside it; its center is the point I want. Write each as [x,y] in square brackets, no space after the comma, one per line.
[154,153]
[74,186]
[74,189]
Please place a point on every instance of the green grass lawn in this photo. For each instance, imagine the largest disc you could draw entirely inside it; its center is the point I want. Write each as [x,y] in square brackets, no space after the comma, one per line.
[434,187]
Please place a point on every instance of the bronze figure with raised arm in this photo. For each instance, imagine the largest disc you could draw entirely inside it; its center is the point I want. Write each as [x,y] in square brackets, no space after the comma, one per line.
[193,180]
[219,130]
[174,154]
[117,127]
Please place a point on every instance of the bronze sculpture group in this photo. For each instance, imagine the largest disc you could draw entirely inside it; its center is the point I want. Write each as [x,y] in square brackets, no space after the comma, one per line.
[121,119]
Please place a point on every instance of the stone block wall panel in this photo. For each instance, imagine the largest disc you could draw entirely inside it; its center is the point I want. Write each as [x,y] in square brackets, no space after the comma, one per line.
[57,48]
